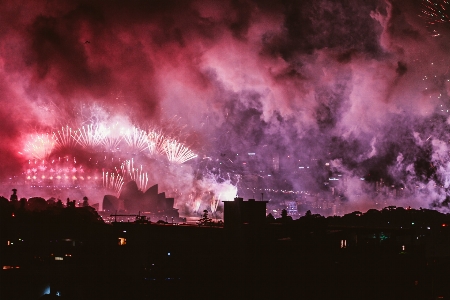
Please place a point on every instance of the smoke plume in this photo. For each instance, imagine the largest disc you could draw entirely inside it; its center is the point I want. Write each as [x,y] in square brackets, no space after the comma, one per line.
[354,88]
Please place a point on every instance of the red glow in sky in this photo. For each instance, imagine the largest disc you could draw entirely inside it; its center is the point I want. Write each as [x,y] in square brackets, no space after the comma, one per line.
[364,86]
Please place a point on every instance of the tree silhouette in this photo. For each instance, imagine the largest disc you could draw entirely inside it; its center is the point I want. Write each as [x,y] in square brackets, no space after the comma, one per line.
[204,220]
[270,218]
[85,201]
[284,216]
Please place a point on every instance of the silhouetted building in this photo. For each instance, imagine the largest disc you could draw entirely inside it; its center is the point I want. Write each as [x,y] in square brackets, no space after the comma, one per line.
[134,201]
[240,212]
[112,203]
[70,203]
[131,196]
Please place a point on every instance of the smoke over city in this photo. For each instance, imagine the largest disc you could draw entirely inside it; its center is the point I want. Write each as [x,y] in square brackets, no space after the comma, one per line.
[350,90]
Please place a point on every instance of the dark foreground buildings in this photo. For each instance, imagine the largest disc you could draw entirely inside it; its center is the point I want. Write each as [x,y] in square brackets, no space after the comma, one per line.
[240,212]
[389,254]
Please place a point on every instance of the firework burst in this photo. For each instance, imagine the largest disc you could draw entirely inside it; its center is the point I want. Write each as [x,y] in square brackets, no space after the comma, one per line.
[215,203]
[113,181]
[40,146]
[436,11]
[156,142]
[136,138]
[112,138]
[177,152]
[90,135]
[195,202]
[65,137]
[135,174]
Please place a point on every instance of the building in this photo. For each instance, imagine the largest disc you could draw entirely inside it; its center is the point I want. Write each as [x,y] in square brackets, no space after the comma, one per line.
[239,212]
[134,201]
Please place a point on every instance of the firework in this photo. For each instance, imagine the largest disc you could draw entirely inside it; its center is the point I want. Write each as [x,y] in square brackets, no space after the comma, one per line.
[60,171]
[90,135]
[177,152]
[40,146]
[136,138]
[214,203]
[135,174]
[64,138]
[113,181]
[196,201]
[111,138]
[436,12]
[156,142]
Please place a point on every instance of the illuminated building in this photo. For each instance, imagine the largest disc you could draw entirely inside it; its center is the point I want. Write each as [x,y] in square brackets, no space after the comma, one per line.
[291,207]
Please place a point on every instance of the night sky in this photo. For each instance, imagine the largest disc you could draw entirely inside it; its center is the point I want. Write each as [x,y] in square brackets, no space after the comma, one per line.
[362,85]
